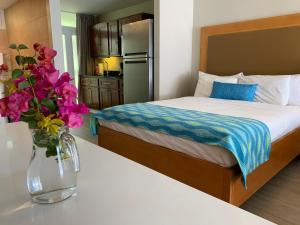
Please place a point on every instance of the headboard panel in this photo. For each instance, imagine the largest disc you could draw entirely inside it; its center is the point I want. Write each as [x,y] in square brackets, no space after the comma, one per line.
[264,46]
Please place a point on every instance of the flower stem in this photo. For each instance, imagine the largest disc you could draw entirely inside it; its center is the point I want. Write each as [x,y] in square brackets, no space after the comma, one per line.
[32,89]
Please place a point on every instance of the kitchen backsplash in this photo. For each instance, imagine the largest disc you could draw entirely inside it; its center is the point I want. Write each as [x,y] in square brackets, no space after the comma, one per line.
[112,62]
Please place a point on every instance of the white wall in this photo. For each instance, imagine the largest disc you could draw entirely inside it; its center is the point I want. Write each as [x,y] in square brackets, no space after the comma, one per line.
[56,30]
[173,45]
[210,12]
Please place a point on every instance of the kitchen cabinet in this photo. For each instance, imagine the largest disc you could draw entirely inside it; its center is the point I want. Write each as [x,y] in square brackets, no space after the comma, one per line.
[99,40]
[110,92]
[89,89]
[114,39]
[101,92]
[106,36]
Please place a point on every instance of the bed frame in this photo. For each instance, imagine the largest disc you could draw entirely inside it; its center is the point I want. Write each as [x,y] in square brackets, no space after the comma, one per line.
[280,34]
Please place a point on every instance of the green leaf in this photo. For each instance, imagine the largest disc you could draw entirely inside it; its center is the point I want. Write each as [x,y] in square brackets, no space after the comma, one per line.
[32,80]
[49,104]
[24,84]
[20,60]
[51,151]
[16,74]
[29,113]
[22,46]
[32,124]
[51,148]
[35,100]
[29,60]
[13,46]
[41,139]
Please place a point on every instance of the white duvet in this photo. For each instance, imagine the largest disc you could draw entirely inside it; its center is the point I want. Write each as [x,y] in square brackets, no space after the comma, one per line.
[279,119]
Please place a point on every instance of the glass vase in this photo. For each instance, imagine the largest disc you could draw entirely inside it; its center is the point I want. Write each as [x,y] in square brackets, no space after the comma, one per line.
[51,175]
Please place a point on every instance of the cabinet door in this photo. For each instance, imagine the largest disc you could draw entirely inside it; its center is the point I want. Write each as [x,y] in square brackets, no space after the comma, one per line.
[90,96]
[86,95]
[115,97]
[105,98]
[99,40]
[95,40]
[95,98]
[114,42]
[109,97]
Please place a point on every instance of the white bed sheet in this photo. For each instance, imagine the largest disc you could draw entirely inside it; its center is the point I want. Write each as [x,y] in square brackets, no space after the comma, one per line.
[279,119]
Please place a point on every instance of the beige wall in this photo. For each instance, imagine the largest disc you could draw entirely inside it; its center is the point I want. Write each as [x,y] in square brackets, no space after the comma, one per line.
[27,22]
[145,7]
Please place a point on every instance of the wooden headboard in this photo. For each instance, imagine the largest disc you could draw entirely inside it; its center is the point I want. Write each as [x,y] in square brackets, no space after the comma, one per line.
[263,46]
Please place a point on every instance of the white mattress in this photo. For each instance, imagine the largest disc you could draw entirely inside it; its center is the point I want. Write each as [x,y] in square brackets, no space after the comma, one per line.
[280,120]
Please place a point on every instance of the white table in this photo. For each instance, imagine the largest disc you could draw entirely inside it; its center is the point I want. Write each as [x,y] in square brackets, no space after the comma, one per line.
[112,190]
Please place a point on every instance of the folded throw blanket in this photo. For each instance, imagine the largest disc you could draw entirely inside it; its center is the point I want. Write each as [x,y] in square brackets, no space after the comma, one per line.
[247,139]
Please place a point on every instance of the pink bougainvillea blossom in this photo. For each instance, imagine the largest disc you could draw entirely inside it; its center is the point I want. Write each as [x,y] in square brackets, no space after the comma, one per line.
[73,120]
[67,91]
[39,90]
[4,68]
[17,103]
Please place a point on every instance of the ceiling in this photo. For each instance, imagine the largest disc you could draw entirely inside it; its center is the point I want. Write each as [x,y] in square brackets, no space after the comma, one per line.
[6,3]
[95,6]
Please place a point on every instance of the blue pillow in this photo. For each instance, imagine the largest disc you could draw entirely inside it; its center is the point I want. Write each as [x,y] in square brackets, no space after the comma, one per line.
[243,92]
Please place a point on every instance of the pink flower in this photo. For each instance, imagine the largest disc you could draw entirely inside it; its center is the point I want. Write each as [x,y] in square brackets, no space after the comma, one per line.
[42,69]
[37,46]
[52,77]
[73,120]
[67,91]
[64,78]
[46,55]
[3,106]
[80,109]
[71,113]
[42,88]
[4,68]
[17,103]
[67,107]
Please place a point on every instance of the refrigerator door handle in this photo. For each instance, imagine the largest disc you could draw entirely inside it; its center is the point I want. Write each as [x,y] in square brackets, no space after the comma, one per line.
[136,55]
[135,61]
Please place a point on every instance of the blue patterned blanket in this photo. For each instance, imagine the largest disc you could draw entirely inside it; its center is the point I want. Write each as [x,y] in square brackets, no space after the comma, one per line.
[248,139]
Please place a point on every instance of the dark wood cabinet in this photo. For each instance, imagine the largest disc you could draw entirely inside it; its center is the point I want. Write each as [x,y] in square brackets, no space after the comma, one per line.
[90,92]
[133,18]
[110,92]
[99,40]
[101,92]
[114,39]
[106,36]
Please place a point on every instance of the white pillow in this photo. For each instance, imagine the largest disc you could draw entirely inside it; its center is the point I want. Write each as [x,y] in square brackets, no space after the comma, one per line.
[205,83]
[271,89]
[294,90]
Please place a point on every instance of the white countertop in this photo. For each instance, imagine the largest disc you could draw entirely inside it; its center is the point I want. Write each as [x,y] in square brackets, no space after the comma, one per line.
[112,190]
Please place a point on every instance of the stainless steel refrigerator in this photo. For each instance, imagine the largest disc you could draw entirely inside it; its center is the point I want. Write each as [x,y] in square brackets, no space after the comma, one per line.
[137,52]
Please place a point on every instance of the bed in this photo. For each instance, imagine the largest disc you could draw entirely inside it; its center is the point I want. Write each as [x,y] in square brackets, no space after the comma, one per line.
[211,169]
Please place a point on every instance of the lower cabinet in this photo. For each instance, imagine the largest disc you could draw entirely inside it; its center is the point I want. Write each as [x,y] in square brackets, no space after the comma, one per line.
[101,92]
[109,98]
[90,96]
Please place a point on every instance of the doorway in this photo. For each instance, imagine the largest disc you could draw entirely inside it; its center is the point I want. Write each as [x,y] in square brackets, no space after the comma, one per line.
[69,38]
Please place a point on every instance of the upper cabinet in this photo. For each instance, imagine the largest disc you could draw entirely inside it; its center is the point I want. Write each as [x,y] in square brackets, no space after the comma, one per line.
[106,36]
[100,40]
[114,39]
